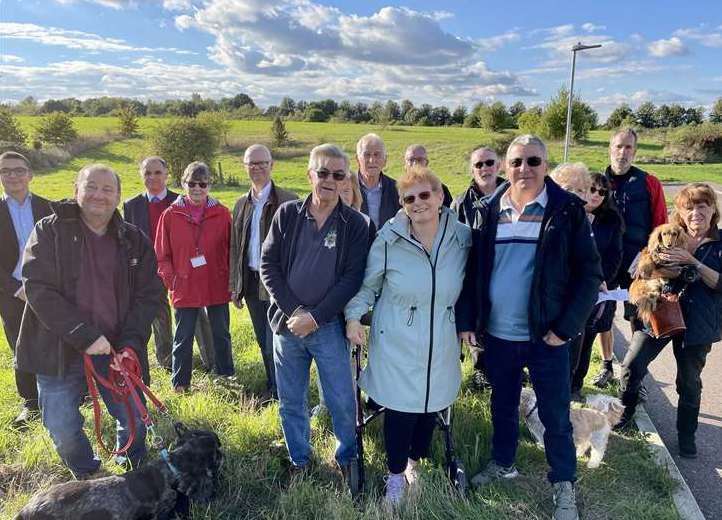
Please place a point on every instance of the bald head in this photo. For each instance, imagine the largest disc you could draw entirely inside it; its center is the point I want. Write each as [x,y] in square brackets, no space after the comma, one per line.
[416,155]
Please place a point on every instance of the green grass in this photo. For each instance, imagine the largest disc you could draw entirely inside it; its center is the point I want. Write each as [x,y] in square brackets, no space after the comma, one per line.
[256,483]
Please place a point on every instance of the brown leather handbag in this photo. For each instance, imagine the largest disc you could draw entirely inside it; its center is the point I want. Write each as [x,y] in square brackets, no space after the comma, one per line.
[667,319]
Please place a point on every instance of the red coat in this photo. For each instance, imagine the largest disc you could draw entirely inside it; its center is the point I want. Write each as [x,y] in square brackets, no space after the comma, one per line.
[175,245]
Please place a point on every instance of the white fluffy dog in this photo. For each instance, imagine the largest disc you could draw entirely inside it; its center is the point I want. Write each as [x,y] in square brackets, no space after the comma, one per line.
[591,425]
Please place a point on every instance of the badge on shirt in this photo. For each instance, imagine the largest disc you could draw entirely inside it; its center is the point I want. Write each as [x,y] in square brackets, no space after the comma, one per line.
[330,240]
[198,261]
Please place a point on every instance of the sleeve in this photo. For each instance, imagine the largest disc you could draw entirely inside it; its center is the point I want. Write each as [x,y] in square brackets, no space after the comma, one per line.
[372,282]
[466,305]
[586,277]
[612,258]
[658,204]
[9,285]
[45,297]
[163,250]
[351,278]
[271,272]
[235,246]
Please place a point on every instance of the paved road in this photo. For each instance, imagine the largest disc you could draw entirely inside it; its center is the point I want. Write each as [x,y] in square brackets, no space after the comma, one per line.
[704,475]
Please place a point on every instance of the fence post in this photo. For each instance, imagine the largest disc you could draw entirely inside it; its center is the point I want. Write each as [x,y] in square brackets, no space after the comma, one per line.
[220,173]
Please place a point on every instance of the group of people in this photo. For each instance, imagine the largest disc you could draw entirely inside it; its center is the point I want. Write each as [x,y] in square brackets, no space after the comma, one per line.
[513,268]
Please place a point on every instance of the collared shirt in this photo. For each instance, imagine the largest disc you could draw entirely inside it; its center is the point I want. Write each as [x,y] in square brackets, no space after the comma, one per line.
[254,247]
[373,200]
[517,237]
[161,196]
[313,267]
[23,222]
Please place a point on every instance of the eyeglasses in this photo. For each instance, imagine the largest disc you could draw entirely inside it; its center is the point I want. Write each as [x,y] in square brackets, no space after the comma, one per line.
[417,160]
[410,199]
[14,172]
[602,192]
[489,162]
[156,173]
[532,161]
[193,184]
[338,175]
[258,164]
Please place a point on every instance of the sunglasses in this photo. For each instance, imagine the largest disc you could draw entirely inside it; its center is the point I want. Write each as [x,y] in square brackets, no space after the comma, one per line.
[532,161]
[489,162]
[410,199]
[338,175]
[602,192]
[193,184]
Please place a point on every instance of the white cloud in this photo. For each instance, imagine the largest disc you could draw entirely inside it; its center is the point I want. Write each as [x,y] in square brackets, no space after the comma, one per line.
[115,4]
[698,34]
[74,39]
[671,47]
[10,58]
[590,27]
[177,5]
[493,43]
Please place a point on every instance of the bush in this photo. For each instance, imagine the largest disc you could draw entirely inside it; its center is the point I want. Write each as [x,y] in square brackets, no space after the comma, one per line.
[316,115]
[695,142]
[127,121]
[531,122]
[584,118]
[217,121]
[182,141]
[493,117]
[56,128]
[279,134]
[10,131]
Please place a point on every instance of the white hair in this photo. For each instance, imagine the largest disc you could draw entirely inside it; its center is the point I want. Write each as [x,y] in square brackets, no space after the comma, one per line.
[327,151]
[526,140]
[368,139]
[253,148]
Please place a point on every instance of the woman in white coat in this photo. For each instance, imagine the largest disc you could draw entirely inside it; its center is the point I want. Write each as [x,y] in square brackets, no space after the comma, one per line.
[413,278]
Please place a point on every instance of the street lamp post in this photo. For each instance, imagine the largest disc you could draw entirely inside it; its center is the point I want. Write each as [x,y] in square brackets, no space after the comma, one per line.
[578,47]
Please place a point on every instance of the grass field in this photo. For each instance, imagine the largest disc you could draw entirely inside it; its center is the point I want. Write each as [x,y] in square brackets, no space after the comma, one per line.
[256,483]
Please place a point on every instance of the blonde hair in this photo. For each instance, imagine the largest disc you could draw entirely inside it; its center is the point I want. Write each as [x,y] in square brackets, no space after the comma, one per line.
[572,173]
[697,193]
[417,175]
[358,199]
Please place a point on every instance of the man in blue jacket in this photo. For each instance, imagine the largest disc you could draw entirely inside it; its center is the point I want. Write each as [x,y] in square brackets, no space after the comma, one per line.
[312,264]
[532,279]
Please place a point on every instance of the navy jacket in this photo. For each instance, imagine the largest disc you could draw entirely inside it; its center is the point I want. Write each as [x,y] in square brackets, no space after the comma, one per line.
[465,204]
[279,250]
[702,305]
[608,229]
[389,200]
[135,211]
[567,271]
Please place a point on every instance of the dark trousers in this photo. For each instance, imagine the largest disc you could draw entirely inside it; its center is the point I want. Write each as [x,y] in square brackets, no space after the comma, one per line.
[549,371]
[258,310]
[11,312]
[407,436]
[690,361]
[163,336]
[186,318]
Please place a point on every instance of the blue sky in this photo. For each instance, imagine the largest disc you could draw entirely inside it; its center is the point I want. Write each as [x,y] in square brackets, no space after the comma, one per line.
[453,52]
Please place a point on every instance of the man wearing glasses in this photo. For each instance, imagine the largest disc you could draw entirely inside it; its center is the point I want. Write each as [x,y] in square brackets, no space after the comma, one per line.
[144,211]
[531,282]
[312,264]
[251,221]
[19,211]
[416,155]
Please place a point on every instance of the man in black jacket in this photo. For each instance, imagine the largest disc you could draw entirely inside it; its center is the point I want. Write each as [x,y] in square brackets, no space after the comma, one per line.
[379,192]
[91,284]
[312,264]
[19,211]
[144,212]
[532,278]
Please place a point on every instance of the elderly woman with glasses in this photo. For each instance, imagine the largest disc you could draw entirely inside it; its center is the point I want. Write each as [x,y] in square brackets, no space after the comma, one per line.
[413,278]
[192,245]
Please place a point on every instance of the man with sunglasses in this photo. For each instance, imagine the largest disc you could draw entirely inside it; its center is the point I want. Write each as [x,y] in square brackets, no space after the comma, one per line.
[532,279]
[312,264]
[416,155]
[484,166]
[252,216]
[640,199]
[19,211]
[379,192]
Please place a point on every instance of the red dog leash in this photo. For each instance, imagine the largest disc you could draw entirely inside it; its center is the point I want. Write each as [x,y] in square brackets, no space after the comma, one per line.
[124,382]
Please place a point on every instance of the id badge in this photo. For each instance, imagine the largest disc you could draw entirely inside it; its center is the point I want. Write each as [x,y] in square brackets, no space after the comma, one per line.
[198,261]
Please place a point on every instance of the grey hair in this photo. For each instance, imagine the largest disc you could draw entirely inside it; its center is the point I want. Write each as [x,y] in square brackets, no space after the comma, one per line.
[196,169]
[415,147]
[10,154]
[96,167]
[253,148]
[625,131]
[327,151]
[150,159]
[369,138]
[479,150]
[526,140]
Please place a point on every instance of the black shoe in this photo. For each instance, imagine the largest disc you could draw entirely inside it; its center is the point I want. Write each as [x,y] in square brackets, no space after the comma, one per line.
[479,381]
[687,446]
[25,417]
[603,377]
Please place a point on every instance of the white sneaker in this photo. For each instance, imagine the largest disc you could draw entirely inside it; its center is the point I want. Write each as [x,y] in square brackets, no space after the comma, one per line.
[412,472]
[395,489]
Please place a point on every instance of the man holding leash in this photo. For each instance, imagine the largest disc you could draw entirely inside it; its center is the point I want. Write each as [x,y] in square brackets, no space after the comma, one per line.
[91,284]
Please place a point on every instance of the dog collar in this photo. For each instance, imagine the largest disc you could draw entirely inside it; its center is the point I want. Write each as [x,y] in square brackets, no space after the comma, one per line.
[166,458]
[533,409]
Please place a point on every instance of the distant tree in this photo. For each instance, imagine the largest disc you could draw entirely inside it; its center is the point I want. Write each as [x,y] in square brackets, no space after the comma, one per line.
[515,111]
[406,107]
[279,134]
[459,114]
[57,129]
[344,112]
[128,121]
[440,116]
[287,106]
[584,118]
[240,100]
[493,117]
[392,110]
[28,106]
[715,115]
[531,122]
[272,111]
[676,114]
[693,115]
[316,115]
[378,115]
[10,131]
[219,122]
[412,116]
[618,115]
[644,116]
[55,105]
[663,116]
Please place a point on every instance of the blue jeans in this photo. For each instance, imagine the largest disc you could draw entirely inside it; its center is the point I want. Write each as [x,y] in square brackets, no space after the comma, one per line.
[549,372]
[60,400]
[292,357]
[185,326]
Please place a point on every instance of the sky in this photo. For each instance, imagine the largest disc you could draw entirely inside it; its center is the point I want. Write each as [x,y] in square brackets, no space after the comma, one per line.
[450,53]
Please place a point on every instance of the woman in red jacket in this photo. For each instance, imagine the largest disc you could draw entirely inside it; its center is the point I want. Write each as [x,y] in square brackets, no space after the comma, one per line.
[192,245]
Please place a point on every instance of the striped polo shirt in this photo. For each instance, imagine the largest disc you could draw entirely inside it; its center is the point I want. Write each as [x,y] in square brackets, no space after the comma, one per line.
[517,237]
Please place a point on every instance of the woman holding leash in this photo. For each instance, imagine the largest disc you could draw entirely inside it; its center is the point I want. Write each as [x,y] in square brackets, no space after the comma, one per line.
[413,279]
[696,210]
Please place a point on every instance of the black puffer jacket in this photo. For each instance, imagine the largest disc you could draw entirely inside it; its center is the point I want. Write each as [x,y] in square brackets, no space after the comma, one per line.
[702,305]
[567,271]
[465,204]
[608,229]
